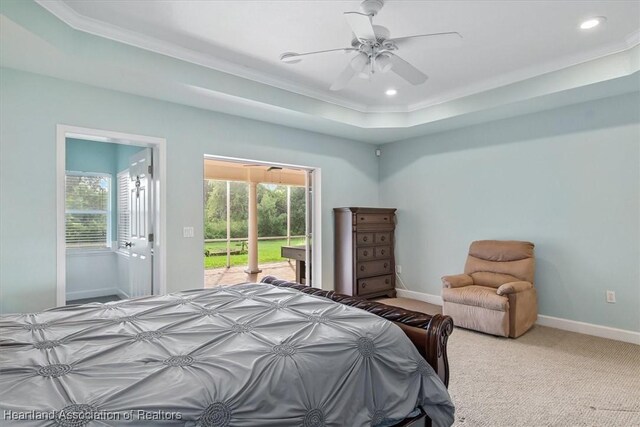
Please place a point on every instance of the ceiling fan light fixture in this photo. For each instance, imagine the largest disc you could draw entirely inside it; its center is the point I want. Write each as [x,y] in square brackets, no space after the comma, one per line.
[592,22]
[383,62]
[359,62]
[376,50]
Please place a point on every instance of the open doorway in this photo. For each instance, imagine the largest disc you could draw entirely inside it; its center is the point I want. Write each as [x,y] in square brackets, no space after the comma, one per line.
[259,220]
[110,216]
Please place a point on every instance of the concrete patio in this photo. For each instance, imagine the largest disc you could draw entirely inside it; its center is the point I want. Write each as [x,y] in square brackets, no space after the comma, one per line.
[234,275]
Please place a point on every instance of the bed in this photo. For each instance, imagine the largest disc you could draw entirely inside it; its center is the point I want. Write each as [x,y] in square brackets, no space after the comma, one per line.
[268,354]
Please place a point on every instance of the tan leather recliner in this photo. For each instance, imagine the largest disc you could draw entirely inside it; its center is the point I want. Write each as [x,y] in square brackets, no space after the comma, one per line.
[496,293]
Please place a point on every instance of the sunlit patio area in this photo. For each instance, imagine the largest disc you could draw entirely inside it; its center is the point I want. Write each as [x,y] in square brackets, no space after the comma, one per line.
[255,223]
[234,275]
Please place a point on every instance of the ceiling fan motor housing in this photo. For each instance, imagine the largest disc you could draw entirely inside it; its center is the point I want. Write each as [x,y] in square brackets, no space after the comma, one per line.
[371,7]
[382,34]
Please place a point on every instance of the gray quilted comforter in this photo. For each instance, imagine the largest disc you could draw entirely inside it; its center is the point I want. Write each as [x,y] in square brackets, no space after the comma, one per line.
[247,355]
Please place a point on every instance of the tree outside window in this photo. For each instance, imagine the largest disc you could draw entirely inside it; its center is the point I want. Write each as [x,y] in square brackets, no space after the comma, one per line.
[88,210]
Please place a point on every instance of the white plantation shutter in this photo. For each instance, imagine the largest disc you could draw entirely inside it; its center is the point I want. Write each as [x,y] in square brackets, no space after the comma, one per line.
[124,219]
[88,210]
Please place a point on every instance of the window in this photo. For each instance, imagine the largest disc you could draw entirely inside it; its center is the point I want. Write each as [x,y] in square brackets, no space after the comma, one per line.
[124,220]
[88,210]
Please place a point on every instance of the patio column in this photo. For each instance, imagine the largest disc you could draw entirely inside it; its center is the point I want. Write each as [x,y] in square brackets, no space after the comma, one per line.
[252,267]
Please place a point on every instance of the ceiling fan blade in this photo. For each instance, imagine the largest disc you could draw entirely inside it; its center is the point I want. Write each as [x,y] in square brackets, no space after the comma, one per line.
[407,71]
[435,40]
[294,57]
[360,25]
[344,78]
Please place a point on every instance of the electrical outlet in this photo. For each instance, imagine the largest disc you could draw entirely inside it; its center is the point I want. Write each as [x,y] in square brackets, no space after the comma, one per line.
[611,297]
[399,269]
[187,232]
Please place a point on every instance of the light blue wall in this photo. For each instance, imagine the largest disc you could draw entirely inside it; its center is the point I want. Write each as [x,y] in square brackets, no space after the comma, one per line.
[90,156]
[566,179]
[31,108]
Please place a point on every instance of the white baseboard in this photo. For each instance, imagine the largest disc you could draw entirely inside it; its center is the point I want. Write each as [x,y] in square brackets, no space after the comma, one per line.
[550,321]
[91,293]
[122,294]
[589,329]
[419,296]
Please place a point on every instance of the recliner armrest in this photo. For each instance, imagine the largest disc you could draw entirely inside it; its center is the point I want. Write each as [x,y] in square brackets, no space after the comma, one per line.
[457,281]
[514,287]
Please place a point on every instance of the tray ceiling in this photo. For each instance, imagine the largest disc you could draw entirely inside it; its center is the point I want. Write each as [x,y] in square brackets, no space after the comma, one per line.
[504,41]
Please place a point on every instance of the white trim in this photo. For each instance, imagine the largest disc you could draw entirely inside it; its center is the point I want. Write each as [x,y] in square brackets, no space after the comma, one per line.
[420,296]
[316,219]
[80,22]
[632,337]
[122,294]
[61,240]
[102,292]
[633,39]
[112,32]
[159,146]
[521,75]
[589,329]
[316,244]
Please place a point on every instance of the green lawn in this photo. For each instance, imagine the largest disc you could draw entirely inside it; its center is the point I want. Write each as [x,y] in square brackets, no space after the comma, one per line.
[268,251]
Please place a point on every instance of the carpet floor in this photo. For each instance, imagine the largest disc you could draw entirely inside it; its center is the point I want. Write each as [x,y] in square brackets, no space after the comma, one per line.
[547,377]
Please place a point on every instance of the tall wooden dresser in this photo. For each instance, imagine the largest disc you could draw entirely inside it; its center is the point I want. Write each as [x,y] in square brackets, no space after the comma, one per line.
[364,255]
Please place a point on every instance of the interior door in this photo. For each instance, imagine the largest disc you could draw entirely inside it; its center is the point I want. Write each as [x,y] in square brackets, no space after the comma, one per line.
[140,206]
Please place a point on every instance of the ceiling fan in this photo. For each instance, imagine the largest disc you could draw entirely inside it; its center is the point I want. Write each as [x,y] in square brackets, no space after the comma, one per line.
[376,51]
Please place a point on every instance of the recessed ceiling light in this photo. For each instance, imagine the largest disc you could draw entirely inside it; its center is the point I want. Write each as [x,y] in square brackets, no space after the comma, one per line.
[391,92]
[592,22]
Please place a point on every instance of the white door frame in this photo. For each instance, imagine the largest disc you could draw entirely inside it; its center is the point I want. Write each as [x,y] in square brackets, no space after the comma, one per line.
[316,217]
[159,147]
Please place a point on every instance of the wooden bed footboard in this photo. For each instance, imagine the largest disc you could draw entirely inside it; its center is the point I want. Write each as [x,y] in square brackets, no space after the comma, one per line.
[429,334]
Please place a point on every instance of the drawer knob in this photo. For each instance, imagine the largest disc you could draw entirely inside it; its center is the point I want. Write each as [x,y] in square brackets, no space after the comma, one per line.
[362,268]
[386,219]
[386,265]
[364,284]
[386,281]
[361,218]
[366,253]
[365,238]
[382,252]
[382,239]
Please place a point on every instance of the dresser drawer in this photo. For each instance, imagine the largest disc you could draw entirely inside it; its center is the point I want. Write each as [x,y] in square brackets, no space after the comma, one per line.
[373,218]
[382,238]
[382,251]
[373,268]
[374,284]
[366,253]
[364,238]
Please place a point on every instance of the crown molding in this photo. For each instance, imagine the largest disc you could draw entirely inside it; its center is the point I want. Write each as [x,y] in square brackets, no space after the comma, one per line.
[112,32]
[531,72]
[101,29]
[633,39]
